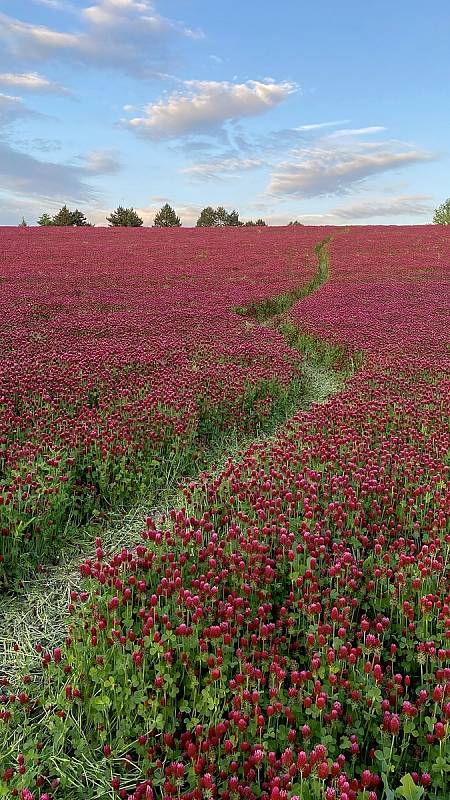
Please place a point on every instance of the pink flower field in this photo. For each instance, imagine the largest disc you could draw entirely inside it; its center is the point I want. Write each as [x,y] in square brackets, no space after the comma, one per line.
[120,350]
[283,633]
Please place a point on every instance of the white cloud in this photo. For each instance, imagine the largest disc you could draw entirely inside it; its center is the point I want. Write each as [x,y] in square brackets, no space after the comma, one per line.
[110,13]
[349,132]
[13,208]
[370,208]
[35,41]
[402,205]
[206,106]
[318,125]
[31,82]
[329,170]
[30,185]
[24,174]
[363,212]
[58,5]
[38,143]
[128,34]
[101,162]
[12,108]
[214,170]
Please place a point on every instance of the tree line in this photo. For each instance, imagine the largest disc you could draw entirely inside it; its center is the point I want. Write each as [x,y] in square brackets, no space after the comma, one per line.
[165,218]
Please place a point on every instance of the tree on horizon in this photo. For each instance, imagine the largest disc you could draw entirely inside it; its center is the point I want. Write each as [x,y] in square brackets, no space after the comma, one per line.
[207,218]
[45,220]
[442,213]
[218,218]
[124,218]
[65,218]
[166,218]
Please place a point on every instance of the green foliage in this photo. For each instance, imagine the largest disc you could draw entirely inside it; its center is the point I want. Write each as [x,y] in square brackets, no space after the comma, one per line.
[218,218]
[207,218]
[124,218]
[269,307]
[45,220]
[227,218]
[79,220]
[295,222]
[408,789]
[253,224]
[23,224]
[64,218]
[67,218]
[442,213]
[166,218]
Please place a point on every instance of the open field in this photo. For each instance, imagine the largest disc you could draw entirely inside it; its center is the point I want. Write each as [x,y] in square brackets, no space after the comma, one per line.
[284,630]
[122,358]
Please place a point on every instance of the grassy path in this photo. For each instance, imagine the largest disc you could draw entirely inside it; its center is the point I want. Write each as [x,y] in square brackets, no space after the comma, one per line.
[39,612]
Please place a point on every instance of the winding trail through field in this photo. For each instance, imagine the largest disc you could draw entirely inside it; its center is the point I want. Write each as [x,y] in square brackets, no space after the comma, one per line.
[39,612]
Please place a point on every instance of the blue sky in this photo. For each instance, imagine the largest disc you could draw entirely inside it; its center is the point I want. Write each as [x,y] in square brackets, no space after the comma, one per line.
[329,113]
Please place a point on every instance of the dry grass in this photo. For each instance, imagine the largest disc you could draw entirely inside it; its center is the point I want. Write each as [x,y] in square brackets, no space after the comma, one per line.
[39,612]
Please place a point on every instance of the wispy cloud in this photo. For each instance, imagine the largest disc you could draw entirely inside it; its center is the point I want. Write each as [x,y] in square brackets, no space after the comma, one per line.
[121,34]
[24,174]
[217,169]
[349,132]
[38,143]
[370,208]
[36,42]
[205,106]
[403,205]
[330,170]
[315,126]
[57,5]
[13,108]
[100,162]
[31,82]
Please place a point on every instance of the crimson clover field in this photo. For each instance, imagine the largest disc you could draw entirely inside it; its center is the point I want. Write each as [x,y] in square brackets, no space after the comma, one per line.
[283,631]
